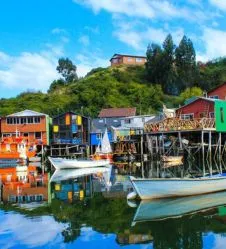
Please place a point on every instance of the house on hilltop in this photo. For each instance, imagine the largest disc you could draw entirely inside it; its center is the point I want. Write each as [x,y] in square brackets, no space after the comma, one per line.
[122,59]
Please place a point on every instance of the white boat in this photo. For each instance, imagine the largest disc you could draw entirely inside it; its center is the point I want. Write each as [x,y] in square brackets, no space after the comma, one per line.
[66,174]
[177,207]
[63,163]
[154,188]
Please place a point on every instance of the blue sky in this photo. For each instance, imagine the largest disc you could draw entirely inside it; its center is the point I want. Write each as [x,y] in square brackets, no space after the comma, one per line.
[35,33]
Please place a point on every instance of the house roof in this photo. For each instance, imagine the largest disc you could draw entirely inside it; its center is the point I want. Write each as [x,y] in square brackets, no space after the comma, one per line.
[198,98]
[127,55]
[69,112]
[216,88]
[117,112]
[27,113]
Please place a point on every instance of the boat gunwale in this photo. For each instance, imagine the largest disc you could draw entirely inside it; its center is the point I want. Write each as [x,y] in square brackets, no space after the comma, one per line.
[179,179]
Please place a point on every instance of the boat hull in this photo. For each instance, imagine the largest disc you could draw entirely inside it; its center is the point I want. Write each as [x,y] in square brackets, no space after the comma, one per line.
[60,163]
[172,208]
[175,187]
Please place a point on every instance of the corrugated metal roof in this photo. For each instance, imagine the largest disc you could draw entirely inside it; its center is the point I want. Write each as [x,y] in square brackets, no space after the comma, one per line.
[27,113]
[117,112]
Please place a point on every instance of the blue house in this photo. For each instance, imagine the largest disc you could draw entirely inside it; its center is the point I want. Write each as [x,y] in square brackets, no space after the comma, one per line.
[107,119]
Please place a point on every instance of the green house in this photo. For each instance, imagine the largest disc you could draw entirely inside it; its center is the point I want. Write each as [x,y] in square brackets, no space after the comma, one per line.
[220,115]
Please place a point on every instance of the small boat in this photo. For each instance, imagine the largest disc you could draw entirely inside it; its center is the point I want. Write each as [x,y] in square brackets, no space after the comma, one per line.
[66,174]
[172,159]
[63,163]
[103,150]
[154,188]
[172,208]
[35,159]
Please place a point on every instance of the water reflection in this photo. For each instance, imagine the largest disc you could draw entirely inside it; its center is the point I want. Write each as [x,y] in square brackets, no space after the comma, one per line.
[88,209]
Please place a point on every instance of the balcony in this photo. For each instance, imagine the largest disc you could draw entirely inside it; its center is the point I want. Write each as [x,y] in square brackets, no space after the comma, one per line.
[177,124]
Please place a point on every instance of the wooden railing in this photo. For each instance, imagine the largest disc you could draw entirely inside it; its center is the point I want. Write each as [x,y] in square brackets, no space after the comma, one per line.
[177,124]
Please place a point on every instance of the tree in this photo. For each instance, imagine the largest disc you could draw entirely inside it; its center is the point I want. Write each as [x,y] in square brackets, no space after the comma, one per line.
[185,64]
[67,69]
[168,77]
[154,63]
[191,92]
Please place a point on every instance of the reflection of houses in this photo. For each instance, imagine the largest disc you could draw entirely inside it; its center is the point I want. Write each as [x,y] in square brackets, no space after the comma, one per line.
[23,184]
[121,59]
[31,125]
[74,189]
[128,238]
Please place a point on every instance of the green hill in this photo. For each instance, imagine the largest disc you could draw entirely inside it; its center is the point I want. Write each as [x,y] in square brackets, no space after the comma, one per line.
[123,86]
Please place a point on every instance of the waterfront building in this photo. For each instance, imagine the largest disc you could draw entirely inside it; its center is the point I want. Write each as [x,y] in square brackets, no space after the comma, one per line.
[122,59]
[218,92]
[107,119]
[30,125]
[70,128]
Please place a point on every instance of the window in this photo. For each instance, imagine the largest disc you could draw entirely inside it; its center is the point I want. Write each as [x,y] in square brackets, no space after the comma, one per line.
[214,97]
[129,59]
[9,120]
[101,120]
[222,114]
[188,116]
[99,136]
[212,115]
[25,134]
[30,120]
[38,135]
[23,120]
[139,59]
[127,121]
[115,61]
[37,120]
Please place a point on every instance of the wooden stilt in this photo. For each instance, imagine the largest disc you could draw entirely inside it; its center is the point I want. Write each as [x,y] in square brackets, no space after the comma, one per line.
[203,153]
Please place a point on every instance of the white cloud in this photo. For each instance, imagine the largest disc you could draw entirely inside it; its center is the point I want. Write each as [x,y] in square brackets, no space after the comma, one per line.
[214,45]
[86,63]
[84,40]
[45,231]
[221,4]
[139,8]
[58,31]
[29,70]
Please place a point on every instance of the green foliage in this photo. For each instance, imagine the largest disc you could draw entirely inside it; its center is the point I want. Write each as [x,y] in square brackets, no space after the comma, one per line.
[67,69]
[191,92]
[122,86]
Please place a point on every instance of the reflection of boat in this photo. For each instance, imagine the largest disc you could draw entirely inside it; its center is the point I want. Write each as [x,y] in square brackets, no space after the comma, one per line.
[170,208]
[172,159]
[153,188]
[66,174]
[171,164]
[62,163]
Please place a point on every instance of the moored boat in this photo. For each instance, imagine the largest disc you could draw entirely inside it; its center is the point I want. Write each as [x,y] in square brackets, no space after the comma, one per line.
[154,188]
[63,163]
[172,159]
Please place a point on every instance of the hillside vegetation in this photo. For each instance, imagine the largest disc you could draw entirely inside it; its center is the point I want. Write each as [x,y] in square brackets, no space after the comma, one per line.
[122,86]
[170,76]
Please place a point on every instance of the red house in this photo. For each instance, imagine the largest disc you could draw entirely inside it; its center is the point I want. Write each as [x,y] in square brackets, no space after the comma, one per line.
[218,92]
[199,108]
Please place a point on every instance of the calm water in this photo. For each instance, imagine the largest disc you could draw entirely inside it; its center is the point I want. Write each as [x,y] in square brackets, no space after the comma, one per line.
[85,213]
